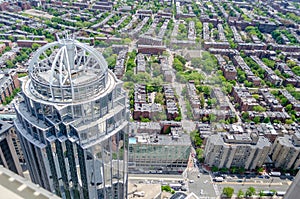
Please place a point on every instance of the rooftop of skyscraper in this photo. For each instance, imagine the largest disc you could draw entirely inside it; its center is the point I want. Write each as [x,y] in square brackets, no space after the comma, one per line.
[16,187]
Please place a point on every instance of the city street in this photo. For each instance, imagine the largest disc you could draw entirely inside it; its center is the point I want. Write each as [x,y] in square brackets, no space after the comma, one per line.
[203,184]
[187,125]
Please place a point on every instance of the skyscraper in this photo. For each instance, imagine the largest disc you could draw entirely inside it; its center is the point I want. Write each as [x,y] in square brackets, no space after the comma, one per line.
[9,149]
[72,123]
[293,190]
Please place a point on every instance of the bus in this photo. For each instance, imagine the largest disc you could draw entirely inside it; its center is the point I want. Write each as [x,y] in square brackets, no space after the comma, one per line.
[280,193]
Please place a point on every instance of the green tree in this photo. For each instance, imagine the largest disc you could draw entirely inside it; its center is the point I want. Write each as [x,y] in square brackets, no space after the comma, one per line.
[107,52]
[284,101]
[111,61]
[9,64]
[145,119]
[166,188]
[214,169]
[296,70]
[241,170]
[266,120]
[224,169]
[228,191]
[289,121]
[256,119]
[206,90]
[261,193]
[127,41]
[178,65]
[199,153]
[212,117]
[233,169]
[35,46]
[255,96]
[250,191]
[196,62]
[159,98]
[240,194]
[289,107]
[260,169]
[269,63]
[212,101]
[259,108]
[245,115]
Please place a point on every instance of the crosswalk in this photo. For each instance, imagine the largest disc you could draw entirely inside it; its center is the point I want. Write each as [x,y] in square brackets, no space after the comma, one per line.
[215,186]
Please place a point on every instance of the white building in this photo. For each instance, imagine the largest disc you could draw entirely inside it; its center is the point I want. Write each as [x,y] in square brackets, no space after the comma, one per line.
[286,151]
[247,150]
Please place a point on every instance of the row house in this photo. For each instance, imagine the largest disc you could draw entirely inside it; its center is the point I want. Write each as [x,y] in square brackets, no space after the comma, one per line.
[295,103]
[251,46]
[193,97]
[221,98]
[171,102]
[191,31]
[270,100]
[141,63]
[272,115]
[236,35]
[243,98]
[239,61]
[119,68]
[269,73]
[221,45]
[221,32]
[8,83]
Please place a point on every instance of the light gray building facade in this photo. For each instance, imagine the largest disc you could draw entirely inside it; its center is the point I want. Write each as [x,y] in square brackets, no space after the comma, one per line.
[285,151]
[247,150]
[155,153]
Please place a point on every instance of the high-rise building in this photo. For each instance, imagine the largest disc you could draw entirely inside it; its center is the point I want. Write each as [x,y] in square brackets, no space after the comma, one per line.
[247,150]
[10,152]
[285,151]
[17,187]
[72,123]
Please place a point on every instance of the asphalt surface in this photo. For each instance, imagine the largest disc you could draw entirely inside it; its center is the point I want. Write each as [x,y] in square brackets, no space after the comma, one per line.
[203,186]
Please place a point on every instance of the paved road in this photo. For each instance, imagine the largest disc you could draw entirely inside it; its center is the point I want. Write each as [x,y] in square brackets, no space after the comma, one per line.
[273,183]
[187,125]
[234,110]
[202,185]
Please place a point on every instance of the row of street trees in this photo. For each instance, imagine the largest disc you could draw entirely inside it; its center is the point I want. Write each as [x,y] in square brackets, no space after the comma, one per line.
[229,191]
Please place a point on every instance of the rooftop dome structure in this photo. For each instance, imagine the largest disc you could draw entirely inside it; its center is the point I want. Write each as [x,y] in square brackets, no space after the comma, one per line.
[66,70]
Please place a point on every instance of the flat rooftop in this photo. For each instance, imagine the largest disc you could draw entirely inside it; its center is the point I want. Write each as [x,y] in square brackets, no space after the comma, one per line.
[13,186]
[151,190]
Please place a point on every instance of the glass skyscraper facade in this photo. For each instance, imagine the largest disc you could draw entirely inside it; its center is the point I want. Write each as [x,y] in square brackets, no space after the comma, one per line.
[72,122]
